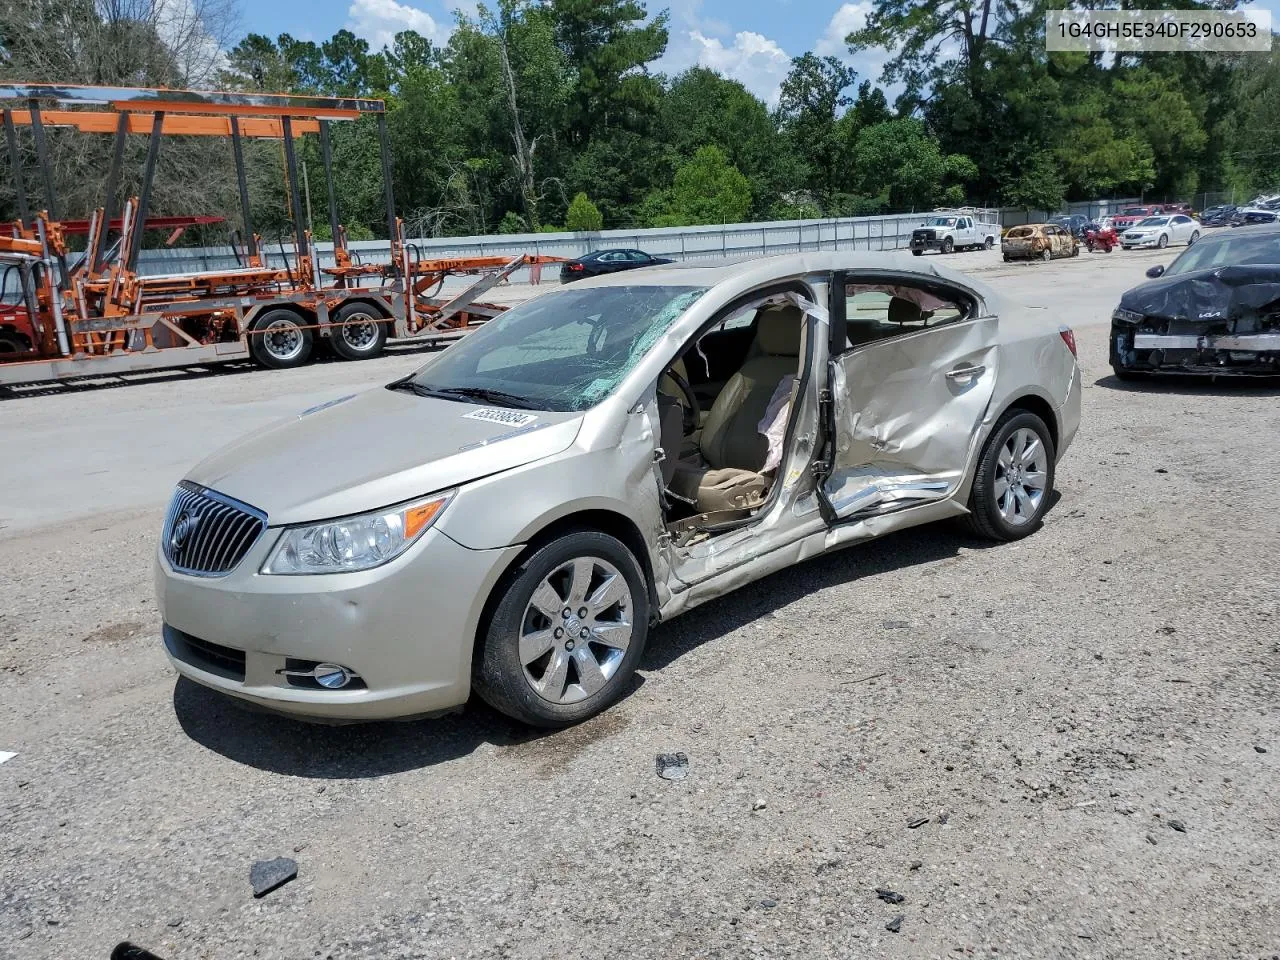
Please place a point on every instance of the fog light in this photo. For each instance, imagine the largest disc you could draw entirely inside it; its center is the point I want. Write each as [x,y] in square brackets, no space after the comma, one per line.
[331,676]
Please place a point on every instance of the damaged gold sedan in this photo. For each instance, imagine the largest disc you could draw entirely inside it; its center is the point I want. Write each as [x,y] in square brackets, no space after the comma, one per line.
[1039,241]
[517,515]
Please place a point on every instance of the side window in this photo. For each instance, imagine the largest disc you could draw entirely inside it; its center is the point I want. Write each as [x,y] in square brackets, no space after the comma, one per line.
[612,257]
[638,257]
[876,311]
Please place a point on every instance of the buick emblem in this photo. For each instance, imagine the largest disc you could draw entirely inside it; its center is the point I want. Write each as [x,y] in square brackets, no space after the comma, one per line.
[182,530]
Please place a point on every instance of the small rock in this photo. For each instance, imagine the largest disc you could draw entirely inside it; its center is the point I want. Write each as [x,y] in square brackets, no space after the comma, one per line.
[298,848]
[944,818]
[672,766]
[768,904]
[1097,656]
[918,822]
[889,896]
[268,875]
[758,805]
[1168,631]
[894,925]
[1178,825]
[1151,840]
[401,823]
[1260,749]
[320,789]
[176,921]
[895,625]
[916,864]
[1161,470]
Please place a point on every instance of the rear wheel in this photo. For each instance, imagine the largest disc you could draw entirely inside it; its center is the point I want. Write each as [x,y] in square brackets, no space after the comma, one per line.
[989,243]
[12,342]
[917,253]
[1195,235]
[1013,480]
[567,631]
[358,332]
[281,339]
[1163,241]
[1046,255]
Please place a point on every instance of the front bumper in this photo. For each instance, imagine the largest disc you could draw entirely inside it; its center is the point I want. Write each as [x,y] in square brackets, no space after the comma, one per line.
[1219,354]
[407,629]
[1129,242]
[926,244]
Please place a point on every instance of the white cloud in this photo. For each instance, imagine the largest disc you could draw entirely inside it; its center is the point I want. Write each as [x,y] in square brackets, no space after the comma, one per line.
[850,17]
[378,21]
[754,60]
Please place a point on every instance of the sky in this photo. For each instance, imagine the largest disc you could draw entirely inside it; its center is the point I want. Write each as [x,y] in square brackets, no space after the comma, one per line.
[750,40]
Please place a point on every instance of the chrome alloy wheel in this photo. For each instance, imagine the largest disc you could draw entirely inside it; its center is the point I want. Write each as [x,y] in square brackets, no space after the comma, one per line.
[576,630]
[1021,472]
[283,339]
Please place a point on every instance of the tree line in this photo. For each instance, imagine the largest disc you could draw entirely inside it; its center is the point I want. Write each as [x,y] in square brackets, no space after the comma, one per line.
[550,114]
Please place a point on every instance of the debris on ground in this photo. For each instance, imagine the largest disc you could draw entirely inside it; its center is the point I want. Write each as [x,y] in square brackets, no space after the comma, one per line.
[127,951]
[889,896]
[1151,840]
[916,823]
[5,755]
[758,805]
[916,864]
[894,925]
[672,766]
[768,904]
[895,625]
[268,875]
[1260,749]
[1178,825]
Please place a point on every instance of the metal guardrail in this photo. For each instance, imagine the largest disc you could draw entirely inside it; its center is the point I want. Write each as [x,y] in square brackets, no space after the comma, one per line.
[892,232]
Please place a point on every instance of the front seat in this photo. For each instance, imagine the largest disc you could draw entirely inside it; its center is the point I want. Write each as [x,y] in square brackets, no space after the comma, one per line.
[732,448]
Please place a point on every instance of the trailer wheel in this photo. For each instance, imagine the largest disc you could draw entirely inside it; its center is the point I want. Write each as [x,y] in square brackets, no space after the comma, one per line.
[280,339]
[12,342]
[358,332]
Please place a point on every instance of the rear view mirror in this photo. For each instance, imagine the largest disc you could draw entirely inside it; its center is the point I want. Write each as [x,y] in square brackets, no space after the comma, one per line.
[1156,271]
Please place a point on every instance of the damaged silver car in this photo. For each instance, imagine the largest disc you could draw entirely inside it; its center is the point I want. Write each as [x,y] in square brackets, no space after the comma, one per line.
[517,515]
[1214,310]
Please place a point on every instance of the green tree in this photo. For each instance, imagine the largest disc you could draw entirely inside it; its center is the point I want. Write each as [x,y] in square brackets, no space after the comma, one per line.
[809,104]
[901,165]
[706,189]
[583,215]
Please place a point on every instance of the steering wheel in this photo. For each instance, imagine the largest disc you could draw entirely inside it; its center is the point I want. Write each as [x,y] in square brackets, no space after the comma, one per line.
[692,412]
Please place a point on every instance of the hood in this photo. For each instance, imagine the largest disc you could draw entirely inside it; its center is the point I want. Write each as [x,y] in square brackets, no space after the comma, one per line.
[1207,295]
[377,448]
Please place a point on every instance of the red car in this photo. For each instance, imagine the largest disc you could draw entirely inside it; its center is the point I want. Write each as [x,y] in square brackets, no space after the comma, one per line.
[1130,215]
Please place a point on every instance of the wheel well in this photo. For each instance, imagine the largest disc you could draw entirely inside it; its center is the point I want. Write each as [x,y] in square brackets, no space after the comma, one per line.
[1042,409]
[604,521]
[303,315]
[371,304]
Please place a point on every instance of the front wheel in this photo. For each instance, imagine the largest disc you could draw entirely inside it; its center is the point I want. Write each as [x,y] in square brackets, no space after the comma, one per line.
[281,339]
[917,253]
[358,332]
[948,245]
[566,633]
[1013,480]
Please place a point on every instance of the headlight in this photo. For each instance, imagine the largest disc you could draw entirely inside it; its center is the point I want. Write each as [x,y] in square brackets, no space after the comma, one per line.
[1126,316]
[354,543]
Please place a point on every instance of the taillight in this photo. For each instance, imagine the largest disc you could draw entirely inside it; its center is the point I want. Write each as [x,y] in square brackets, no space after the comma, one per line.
[1069,338]
[575,268]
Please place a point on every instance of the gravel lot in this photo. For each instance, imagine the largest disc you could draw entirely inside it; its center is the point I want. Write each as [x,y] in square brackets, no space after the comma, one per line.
[1087,722]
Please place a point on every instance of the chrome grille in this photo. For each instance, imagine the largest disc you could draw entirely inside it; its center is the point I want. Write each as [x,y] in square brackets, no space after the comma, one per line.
[206,534]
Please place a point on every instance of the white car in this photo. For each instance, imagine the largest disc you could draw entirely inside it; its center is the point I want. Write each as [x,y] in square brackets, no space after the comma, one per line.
[1161,231]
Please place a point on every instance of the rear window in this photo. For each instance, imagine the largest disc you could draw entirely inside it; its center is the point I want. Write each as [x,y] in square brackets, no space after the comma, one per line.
[1020,233]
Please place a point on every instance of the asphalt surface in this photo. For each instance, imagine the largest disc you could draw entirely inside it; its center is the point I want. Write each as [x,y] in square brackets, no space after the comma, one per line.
[1074,724]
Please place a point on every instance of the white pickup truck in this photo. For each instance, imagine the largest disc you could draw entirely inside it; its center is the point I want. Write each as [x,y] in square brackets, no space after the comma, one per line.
[947,232]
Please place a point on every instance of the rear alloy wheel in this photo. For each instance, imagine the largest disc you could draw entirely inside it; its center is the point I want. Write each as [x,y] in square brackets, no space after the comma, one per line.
[358,332]
[1046,255]
[948,245]
[1014,477]
[567,632]
[1163,241]
[1195,235]
[281,339]
[989,243]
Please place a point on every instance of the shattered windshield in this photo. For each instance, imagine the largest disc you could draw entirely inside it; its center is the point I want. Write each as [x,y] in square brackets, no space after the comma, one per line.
[563,351]
[1210,254]
[941,222]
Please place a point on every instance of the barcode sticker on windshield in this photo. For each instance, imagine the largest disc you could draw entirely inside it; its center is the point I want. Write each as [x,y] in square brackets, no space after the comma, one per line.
[510,418]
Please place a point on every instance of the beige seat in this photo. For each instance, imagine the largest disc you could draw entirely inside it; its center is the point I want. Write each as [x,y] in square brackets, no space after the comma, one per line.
[732,448]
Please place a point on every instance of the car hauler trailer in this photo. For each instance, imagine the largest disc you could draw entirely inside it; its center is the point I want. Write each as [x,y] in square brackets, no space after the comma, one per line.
[98,316]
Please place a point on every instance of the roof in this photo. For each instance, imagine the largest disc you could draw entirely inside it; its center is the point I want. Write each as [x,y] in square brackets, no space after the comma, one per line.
[758,271]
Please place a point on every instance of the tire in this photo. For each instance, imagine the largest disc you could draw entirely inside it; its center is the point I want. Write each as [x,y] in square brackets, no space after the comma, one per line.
[1007,258]
[358,332]
[1005,516]
[1123,247]
[1195,235]
[917,253]
[536,687]
[280,339]
[948,245]
[1163,241]
[12,343]
[1046,255]
[989,243]
[1125,375]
